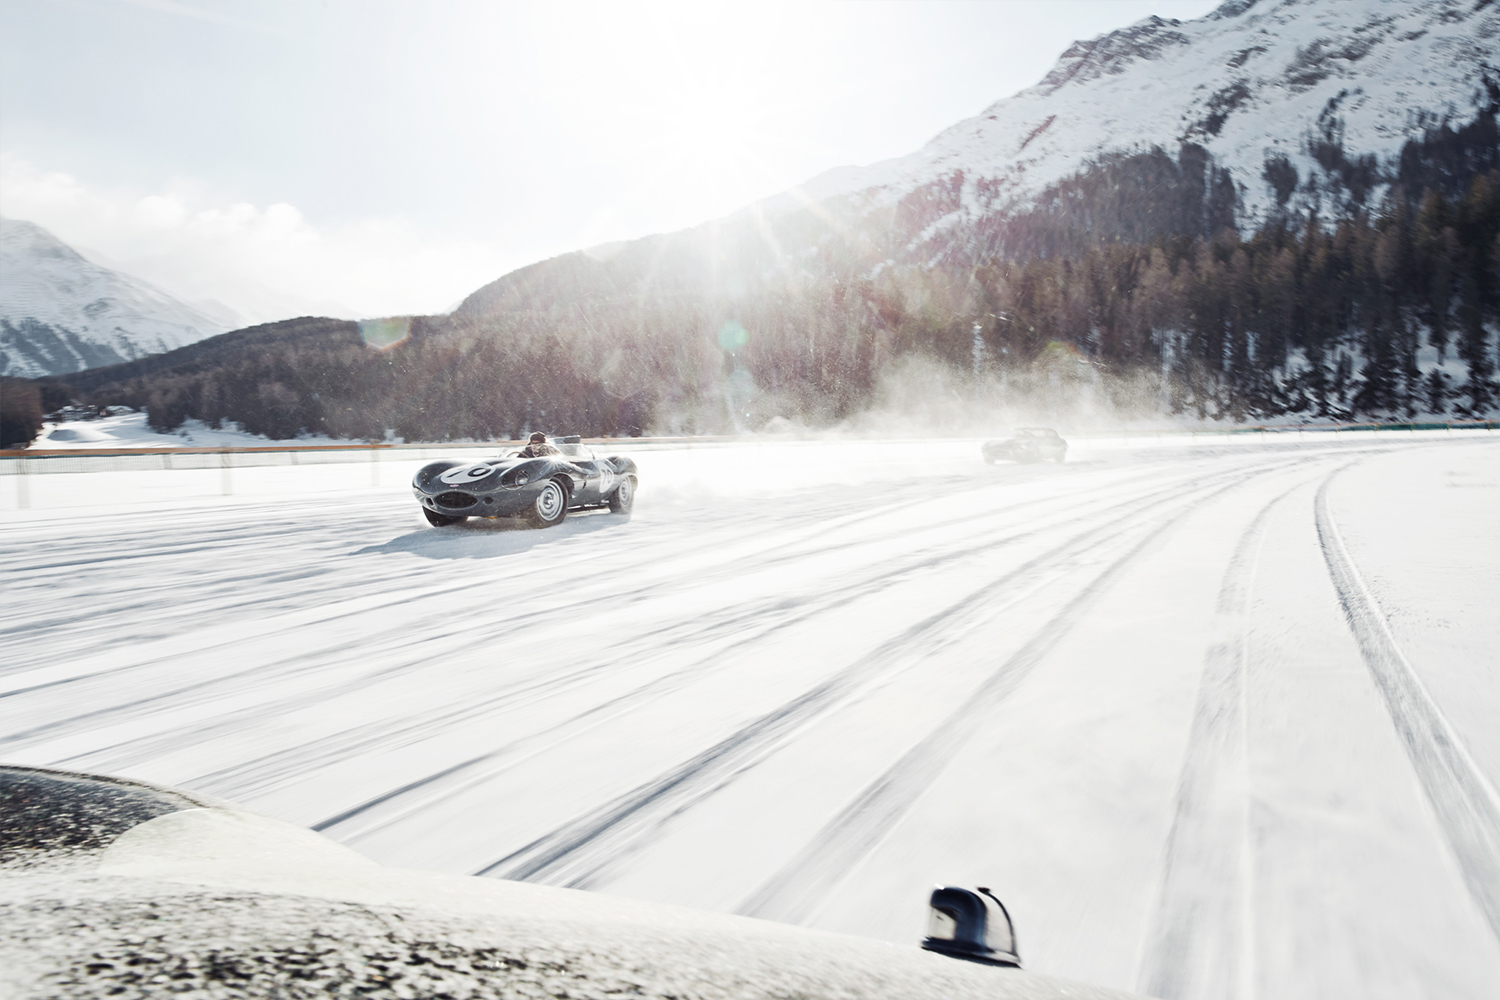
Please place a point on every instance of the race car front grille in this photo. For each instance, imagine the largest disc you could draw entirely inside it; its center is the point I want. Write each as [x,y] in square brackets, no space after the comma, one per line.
[455,500]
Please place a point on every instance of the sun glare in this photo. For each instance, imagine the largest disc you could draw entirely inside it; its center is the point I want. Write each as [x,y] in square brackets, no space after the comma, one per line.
[691,93]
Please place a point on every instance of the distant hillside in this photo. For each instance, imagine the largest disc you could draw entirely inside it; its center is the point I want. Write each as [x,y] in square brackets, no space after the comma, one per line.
[61,313]
[227,350]
[271,378]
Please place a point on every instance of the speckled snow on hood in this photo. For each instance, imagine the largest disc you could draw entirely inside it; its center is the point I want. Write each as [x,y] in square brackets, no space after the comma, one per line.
[119,889]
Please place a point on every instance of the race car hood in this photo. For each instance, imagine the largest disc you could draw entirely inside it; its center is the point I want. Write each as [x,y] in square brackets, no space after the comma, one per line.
[492,472]
[110,886]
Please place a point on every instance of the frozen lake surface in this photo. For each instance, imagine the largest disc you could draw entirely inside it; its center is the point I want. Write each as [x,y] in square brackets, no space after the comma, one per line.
[1215,717]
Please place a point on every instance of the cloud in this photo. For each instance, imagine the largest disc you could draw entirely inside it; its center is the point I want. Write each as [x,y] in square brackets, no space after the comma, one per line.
[264,262]
[202,14]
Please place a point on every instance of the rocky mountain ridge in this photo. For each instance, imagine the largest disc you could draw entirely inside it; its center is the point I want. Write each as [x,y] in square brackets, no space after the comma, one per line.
[1261,85]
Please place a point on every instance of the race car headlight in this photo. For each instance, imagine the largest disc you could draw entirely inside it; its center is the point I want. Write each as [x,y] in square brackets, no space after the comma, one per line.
[515,477]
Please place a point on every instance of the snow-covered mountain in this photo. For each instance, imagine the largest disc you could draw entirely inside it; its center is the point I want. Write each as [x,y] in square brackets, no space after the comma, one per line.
[1262,106]
[1133,157]
[61,313]
[1256,83]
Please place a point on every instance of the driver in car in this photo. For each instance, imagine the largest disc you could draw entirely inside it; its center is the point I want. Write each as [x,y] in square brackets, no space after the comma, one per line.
[537,446]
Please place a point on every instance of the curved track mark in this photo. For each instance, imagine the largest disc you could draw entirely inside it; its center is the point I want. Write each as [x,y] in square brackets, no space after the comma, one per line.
[749,622]
[1197,946]
[754,622]
[578,852]
[1467,807]
[574,853]
[794,892]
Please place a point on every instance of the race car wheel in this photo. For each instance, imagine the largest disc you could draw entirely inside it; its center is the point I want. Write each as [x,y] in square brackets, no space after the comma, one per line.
[623,498]
[551,506]
[440,520]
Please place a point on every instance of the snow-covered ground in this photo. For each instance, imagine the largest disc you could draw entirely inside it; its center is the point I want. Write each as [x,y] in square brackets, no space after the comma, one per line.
[129,430]
[807,681]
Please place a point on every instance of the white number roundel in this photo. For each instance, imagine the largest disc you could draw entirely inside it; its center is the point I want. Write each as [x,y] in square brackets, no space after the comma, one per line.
[458,477]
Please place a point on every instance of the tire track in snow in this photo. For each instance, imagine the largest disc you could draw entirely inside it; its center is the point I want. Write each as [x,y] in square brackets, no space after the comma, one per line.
[379,736]
[374,737]
[114,617]
[266,673]
[580,570]
[258,676]
[1465,803]
[1198,943]
[882,575]
[254,676]
[227,594]
[576,853]
[511,626]
[233,636]
[799,887]
[506,756]
[136,648]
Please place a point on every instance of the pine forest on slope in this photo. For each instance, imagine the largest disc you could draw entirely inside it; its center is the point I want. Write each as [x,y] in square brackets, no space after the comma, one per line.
[1349,267]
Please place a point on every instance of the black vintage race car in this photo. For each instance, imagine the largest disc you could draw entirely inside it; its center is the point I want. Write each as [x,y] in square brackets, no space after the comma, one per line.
[541,490]
[1026,444]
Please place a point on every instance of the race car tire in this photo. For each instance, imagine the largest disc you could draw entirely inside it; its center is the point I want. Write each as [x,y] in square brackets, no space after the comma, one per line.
[990,459]
[551,506]
[623,498]
[441,520]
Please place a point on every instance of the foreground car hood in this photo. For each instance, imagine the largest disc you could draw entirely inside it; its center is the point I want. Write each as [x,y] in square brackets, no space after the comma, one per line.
[111,888]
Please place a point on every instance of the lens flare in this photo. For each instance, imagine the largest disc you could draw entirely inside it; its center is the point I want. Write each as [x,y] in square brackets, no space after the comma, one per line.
[732,336]
[384,334]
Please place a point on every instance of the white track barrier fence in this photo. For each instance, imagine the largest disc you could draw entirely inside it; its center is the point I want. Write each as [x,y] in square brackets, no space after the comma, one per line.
[208,472]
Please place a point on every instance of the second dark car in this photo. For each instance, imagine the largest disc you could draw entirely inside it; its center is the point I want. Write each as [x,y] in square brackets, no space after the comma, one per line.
[1026,444]
[541,490]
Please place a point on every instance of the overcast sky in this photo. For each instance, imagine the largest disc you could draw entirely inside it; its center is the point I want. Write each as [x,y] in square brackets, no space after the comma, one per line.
[385,157]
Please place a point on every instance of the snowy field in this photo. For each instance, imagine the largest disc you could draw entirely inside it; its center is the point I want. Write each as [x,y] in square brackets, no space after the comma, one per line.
[1215,717]
[129,430]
